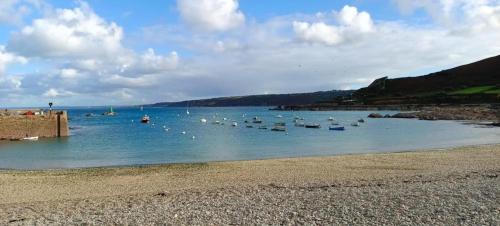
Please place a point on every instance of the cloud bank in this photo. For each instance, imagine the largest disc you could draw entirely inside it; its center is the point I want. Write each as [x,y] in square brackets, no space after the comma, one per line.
[76,57]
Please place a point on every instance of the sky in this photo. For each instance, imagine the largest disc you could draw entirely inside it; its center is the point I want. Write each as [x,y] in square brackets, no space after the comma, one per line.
[115,52]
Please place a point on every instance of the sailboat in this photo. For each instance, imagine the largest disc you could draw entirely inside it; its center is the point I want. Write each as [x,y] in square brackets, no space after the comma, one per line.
[28,138]
[187,109]
[110,112]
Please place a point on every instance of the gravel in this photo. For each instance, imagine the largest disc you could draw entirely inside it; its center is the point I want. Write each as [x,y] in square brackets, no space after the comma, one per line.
[464,191]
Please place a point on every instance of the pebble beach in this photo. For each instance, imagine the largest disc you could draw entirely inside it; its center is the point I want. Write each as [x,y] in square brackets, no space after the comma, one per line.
[459,186]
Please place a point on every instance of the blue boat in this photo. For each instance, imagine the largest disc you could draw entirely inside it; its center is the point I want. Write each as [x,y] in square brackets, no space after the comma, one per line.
[341,128]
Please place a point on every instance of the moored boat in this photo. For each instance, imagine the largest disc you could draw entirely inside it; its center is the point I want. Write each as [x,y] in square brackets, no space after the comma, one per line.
[300,124]
[110,112]
[337,128]
[145,119]
[313,126]
[30,138]
[280,124]
[279,128]
[257,120]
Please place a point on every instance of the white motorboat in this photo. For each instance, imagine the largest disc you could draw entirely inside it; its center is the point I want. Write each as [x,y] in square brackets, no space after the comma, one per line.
[30,138]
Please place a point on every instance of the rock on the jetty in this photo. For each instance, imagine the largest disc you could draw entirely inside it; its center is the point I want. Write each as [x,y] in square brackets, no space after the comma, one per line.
[375,115]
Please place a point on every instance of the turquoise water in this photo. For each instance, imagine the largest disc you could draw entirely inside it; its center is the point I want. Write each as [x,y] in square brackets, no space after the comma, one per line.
[122,140]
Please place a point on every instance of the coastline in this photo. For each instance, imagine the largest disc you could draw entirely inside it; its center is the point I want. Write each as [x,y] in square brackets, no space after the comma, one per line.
[161,190]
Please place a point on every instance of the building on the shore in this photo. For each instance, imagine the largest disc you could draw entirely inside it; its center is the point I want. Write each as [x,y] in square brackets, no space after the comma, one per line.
[20,123]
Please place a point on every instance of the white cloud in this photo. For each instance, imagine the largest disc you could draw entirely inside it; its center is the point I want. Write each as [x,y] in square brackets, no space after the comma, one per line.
[483,16]
[350,51]
[351,23]
[10,83]
[211,15]
[318,33]
[77,32]
[463,15]
[13,11]
[53,93]
[69,73]
[150,62]
[84,55]
[358,21]
[7,58]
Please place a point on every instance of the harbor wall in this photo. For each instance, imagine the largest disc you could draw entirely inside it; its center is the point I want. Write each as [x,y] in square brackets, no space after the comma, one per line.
[50,124]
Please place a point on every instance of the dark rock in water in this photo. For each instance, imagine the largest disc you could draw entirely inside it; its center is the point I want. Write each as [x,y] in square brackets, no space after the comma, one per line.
[406,115]
[428,117]
[375,115]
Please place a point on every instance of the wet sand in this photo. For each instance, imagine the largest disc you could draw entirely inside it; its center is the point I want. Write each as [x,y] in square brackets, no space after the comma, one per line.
[454,186]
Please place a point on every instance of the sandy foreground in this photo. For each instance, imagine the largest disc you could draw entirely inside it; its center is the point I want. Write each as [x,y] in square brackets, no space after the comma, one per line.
[455,186]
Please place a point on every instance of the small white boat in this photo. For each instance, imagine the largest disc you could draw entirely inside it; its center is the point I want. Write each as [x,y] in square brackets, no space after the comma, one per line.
[187,112]
[30,138]
[193,137]
[203,120]
[355,124]
[183,132]
[331,119]
[361,120]
[225,119]
[279,116]
[335,123]
[217,122]
[234,124]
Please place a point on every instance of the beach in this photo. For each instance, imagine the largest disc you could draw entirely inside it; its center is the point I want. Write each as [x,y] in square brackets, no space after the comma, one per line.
[452,186]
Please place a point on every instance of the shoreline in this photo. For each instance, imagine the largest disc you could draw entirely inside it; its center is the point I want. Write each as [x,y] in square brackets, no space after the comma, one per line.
[345,189]
[172,164]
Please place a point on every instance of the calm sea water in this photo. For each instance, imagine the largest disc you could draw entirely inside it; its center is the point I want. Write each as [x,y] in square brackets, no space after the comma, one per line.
[123,140]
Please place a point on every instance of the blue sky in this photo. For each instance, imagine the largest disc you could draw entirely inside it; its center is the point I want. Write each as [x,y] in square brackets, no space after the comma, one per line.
[101,52]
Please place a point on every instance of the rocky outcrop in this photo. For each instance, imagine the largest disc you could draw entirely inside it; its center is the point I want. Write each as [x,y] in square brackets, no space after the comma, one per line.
[452,113]
[375,115]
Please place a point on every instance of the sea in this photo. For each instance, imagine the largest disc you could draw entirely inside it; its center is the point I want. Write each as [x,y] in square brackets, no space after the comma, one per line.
[173,136]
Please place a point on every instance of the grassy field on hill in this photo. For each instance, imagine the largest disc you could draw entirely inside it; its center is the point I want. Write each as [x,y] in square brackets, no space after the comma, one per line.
[478,90]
